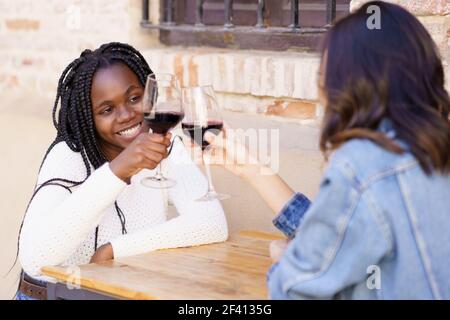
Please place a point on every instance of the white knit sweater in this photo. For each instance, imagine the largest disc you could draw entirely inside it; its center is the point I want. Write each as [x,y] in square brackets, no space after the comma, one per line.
[59,226]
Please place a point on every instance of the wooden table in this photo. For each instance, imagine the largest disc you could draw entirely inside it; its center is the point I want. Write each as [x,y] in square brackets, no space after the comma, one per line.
[235,269]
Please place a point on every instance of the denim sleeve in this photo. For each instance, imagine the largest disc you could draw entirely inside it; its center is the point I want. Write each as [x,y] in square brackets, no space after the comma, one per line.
[289,218]
[337,241]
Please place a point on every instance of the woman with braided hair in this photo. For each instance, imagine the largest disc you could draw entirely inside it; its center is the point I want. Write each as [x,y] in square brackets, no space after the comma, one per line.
[88,204]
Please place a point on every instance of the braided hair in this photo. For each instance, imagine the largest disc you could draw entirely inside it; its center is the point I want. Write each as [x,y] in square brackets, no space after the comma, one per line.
[74,121]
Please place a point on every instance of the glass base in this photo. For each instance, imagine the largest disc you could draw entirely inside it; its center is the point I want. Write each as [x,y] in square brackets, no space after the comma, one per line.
[212,195]
[158,182]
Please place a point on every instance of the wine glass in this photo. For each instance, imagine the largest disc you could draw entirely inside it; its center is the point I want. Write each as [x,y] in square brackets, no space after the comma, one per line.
[162,111]
[202,114]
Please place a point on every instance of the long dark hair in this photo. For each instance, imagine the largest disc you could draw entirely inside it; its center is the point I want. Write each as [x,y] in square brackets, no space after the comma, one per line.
[394,73]
[73,120]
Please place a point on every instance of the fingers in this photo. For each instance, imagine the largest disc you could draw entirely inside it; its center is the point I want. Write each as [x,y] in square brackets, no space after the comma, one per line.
[225,129]
[277,249]
[153,148]
[189,143]
[158,138]
[157,142]
[149,158]
[218,149]
[194,150]
[220,142]
[215,140]
[282,243]
[152,159]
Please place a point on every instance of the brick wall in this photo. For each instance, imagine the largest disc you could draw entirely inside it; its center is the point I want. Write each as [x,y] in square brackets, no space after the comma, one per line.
[39,38]
[251,81]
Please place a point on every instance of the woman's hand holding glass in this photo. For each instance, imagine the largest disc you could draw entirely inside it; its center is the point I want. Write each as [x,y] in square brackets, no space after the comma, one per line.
[228,149]
[145,152]
[202,114]
[162,111]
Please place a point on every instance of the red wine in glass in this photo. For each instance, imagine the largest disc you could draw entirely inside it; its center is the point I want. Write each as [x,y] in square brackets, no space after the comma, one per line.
[197,131]
[162,122]
[202,115]
[162,110]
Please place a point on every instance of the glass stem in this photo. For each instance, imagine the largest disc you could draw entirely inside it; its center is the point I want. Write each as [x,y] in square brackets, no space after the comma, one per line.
[158,174]
[208,174]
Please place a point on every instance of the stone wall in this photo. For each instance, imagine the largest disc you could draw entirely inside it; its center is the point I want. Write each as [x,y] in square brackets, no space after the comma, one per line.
[39,38]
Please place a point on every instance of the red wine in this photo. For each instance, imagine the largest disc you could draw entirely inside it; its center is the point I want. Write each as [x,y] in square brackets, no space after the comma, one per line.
[161,122]
[197,132]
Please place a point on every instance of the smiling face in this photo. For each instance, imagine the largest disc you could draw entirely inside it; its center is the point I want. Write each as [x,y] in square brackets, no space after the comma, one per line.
[116,97]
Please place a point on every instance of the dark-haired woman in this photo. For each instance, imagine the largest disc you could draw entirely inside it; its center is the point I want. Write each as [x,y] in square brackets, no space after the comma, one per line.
[89,204]
[379,226]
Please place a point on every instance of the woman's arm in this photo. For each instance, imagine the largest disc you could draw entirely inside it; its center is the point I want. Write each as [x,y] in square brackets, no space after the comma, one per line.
[339,239]
[270,186]
[57,221]
[231,153]
[289,206]
[198,222]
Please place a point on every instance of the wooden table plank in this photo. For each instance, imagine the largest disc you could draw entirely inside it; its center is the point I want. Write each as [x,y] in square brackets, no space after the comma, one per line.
[235,269]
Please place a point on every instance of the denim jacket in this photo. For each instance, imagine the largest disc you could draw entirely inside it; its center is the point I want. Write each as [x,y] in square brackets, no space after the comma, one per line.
[379,228]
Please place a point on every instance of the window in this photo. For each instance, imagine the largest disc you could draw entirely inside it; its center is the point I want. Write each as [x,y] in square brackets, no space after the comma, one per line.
[246,24]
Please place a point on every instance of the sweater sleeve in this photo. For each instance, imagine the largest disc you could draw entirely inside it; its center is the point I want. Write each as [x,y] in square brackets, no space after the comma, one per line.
[197,223]
[57,221]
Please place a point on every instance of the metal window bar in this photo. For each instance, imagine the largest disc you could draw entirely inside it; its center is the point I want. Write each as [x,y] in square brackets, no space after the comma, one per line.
[228,14]
[145,11]
[168,23]
[261,11]
[199,13]
[168,12]
[295,18]
[331,12]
